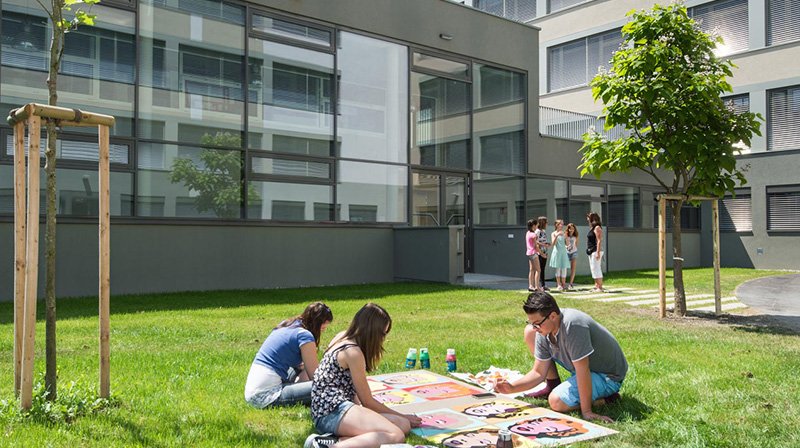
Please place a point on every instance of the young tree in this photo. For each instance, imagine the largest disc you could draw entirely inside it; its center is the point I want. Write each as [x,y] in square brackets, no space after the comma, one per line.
[218,182]
[59,12]
[664,87]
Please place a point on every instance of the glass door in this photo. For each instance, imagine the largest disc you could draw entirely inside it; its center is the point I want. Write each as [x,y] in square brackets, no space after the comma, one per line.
[440,200]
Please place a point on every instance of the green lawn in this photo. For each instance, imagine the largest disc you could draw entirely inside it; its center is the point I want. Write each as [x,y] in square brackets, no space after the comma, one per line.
[179,362]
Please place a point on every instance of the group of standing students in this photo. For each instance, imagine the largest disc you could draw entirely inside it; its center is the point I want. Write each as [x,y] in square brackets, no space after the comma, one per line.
[563,257]
[285,365]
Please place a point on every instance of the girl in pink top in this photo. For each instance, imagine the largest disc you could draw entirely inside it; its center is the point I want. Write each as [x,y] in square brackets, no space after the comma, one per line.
[532,251]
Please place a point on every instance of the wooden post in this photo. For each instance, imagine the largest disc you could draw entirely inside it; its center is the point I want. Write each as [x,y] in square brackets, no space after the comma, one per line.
[32,263]
[104,244]
[19,249]
[662,256]
[715,224]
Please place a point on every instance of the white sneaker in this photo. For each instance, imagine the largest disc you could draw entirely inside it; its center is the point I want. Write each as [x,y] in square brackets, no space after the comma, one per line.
[320,441]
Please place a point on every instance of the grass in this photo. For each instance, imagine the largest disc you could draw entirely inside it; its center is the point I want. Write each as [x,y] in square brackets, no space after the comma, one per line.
[179,362]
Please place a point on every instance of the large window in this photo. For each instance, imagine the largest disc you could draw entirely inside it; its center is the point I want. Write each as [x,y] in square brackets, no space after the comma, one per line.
[586,198]
[783,121]
[373,99]
[547,197]
[371,192]
[690,216]
[783,208]
[557,5]
[495,200]
[726,18]
[519,10]
[575,63]
[783,21]
[736,214]
[623,207]
[192,70]
[498,120]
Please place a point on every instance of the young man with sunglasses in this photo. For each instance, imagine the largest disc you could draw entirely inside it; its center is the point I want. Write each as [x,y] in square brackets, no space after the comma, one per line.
[579,344]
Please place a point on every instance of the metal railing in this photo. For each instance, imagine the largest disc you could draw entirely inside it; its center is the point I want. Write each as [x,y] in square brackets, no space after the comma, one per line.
[572,125]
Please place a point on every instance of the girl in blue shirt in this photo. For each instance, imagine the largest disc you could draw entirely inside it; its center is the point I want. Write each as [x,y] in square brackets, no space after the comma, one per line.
[285,363]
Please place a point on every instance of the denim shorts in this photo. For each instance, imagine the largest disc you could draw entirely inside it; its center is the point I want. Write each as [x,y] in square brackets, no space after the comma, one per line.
[602,386]
[330,423]
[572,255]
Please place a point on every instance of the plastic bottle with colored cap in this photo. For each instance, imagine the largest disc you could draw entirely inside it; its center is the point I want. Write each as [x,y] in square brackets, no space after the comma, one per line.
[411,358]
[504,439]
[451,360]
[424,358]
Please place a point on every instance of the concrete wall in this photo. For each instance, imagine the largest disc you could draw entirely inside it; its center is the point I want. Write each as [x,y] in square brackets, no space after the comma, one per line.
[429,254]
[638,249]
[155,258]
[500,252]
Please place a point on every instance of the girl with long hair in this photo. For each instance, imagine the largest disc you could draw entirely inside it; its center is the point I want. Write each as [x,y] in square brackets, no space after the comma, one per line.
[285,363]
[559,258]
[572,252]
[594,249]
[532,252]
[342,405]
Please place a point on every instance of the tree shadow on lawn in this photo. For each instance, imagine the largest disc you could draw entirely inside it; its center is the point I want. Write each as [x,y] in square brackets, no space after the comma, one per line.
[758,323]
[82,307]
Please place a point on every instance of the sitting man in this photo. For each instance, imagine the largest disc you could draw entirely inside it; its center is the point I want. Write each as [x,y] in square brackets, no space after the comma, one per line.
[577,343]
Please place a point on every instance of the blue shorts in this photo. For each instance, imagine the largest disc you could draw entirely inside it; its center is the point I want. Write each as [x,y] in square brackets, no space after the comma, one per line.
[330,423]
[572,255]
[602,386]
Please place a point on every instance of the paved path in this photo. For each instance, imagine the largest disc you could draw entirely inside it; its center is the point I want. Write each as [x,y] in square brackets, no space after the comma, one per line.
[778,296]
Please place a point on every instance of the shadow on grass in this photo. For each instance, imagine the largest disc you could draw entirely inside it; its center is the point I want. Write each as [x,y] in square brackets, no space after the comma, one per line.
[82,307]
[628,408]
[760,323]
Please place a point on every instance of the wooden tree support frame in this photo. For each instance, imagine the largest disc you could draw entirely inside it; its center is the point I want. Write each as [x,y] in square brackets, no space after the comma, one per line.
[26,236]
[662,248]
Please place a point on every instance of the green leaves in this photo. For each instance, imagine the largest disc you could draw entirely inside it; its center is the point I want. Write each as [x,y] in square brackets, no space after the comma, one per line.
[665,88]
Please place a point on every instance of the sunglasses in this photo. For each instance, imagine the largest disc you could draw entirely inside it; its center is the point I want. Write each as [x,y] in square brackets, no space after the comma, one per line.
[538,325]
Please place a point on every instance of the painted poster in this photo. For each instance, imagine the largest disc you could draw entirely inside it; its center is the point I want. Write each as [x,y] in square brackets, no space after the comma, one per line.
[376,386]
[550,428]
[395,397]
[497,410]
[402,380]
[444,421]
[441,391]
[481,437]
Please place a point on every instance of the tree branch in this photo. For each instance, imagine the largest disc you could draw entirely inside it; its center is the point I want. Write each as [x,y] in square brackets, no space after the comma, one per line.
[649,170]
[47,11]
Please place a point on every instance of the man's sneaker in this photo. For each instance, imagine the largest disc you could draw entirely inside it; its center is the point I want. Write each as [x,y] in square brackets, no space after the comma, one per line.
[320,441]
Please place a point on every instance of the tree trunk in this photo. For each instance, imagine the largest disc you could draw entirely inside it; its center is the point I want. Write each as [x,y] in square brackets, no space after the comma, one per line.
[677,260]
[56,45]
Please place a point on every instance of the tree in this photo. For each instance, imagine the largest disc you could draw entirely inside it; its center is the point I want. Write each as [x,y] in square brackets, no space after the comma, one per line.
[218,182]
[664,87]
[58,12]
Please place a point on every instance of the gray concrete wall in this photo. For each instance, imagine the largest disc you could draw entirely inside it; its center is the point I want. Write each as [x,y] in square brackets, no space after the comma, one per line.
[161,258]
[500,252]
[429,254]
[638,249]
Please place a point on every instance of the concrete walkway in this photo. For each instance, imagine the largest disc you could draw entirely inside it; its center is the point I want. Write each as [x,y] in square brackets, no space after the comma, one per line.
[778,296]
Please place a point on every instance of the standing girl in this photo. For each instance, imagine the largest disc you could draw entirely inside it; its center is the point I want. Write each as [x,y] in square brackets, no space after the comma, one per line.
[594,246]
[572,252]
[544,243]
[532,251]
[285,363]
[342,405]
[559,260]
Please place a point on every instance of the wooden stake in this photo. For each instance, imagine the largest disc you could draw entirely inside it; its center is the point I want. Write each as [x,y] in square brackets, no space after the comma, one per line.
[662,256]
[19,249]
[104,244]
[32,263]
[715,224]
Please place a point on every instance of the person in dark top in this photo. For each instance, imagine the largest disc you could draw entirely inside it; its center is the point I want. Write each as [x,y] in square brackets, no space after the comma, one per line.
[342,405]
[594,249]
[286,362]
[579,344]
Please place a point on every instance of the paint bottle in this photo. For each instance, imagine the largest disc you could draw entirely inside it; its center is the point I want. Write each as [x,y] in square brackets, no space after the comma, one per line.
[451,360]
[504,439]
[424,358]
[411,358]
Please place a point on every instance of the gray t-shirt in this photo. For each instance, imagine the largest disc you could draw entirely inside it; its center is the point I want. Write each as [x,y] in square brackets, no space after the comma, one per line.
[580,336]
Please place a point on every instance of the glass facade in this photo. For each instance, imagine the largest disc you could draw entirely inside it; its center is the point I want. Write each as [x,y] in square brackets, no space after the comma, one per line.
[230,112]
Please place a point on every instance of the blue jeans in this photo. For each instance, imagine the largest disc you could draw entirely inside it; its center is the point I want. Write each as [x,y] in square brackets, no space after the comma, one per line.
[602,386]
[290,393]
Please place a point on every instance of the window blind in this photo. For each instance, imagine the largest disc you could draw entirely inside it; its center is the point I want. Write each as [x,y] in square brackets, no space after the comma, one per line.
[729,19]
[784,119]
[736,213]
[739,103]
[575,63]
[783,208]
[555,5]
[783,21]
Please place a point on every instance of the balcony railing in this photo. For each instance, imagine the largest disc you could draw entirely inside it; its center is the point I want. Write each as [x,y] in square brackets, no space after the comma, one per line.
[572,125]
